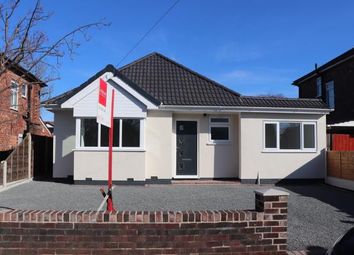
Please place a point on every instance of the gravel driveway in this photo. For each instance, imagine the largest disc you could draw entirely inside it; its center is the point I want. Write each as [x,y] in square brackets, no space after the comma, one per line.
[318,214]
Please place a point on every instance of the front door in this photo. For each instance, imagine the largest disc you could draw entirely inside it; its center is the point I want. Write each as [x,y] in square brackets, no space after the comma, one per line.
[186,145]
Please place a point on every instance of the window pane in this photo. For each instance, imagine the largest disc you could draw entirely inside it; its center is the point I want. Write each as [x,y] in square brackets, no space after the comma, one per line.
[289,135]
[24,90]
[319,86]
[219,120]
[105,134]
[219,133]
[89,133]
[309,136]
[271,135]
[13,96]
[330,94]
[131,133]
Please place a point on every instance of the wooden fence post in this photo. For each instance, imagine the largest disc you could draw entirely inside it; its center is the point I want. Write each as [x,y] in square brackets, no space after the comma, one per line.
[29,142]
[340,165]
[4,173]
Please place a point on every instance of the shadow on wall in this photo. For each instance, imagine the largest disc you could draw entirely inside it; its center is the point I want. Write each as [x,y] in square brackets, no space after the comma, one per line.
[63,164]
[310,171]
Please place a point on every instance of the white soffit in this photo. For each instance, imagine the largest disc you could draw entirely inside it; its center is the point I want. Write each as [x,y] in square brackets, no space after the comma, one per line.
[343,124]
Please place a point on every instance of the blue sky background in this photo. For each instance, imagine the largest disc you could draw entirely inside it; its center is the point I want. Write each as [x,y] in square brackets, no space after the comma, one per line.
[253,47]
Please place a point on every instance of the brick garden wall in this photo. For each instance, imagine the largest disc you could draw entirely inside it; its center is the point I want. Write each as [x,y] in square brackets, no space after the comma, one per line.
[262,232]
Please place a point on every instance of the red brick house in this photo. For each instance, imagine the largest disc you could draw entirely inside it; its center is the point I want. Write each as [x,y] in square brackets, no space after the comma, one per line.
[19,107]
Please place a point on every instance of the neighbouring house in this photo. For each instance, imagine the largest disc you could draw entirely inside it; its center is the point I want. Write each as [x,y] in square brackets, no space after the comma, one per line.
[173,123]
[333,83]
[20,108]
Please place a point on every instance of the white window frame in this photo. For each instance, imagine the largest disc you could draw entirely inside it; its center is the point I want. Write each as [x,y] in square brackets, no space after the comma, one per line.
[219,124]
[328,84]
[302,123]
[319,86]
[24,85]
[119,148]
[12,92]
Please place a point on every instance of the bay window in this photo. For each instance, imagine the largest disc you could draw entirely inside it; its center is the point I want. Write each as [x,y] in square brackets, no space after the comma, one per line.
[127,133]
[289,136]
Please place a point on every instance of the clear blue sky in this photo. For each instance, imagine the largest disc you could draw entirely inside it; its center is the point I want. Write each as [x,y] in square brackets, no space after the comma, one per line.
[253,47]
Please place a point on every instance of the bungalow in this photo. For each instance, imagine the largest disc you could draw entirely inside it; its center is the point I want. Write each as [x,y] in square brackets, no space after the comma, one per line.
[173,123]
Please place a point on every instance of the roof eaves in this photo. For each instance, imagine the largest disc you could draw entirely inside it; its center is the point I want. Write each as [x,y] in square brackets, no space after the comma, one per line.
[59,99]
[337,60]
[109,68]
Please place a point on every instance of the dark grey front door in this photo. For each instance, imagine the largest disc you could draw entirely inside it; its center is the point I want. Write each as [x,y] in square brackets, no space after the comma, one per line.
[186,148]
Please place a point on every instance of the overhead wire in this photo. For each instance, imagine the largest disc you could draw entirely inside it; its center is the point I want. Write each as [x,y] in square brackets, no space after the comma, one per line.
[157,22]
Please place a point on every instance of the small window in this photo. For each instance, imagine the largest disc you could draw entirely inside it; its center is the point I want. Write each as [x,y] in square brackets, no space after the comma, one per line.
[219,133]
[319,87]
[131,133]
[330,94]
[89,133]
[219,129]
[14,96]
[219,120]
[24,90]
[309,136]
[270,135]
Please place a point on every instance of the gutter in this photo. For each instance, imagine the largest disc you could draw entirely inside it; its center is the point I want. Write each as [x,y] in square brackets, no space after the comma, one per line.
[231,109]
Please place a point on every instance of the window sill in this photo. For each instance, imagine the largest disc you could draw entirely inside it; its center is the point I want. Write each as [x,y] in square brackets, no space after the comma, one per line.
[289,151]
[219,143]
[14,109]
[114,149]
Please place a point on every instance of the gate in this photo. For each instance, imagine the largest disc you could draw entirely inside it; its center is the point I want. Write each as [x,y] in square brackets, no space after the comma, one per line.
[43,157]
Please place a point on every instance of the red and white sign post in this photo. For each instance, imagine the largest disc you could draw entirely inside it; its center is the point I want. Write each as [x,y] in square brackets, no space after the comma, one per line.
[105,113]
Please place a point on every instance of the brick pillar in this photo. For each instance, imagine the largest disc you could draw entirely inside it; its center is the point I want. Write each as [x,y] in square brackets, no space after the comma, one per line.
[274,204]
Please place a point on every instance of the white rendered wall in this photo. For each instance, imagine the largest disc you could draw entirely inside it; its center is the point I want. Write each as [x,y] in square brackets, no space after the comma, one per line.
[158,144]
[94,164]
[64,131]
[279,165]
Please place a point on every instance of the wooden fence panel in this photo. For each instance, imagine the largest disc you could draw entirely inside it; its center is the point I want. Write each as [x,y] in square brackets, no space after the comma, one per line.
[347,165]
[340,164]
[18,163]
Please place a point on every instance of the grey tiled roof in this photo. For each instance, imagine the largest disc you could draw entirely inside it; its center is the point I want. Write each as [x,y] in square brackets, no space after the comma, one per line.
[174,84]
[163,81]
[281,102]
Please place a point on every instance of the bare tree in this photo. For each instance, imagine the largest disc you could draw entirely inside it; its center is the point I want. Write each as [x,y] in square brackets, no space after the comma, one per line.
[23,45]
